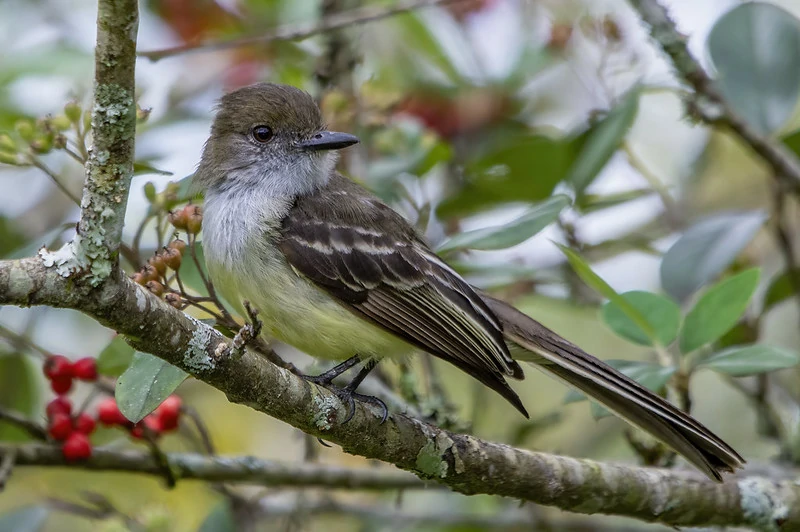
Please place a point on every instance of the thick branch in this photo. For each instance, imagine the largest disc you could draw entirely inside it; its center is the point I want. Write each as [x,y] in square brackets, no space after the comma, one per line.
[301,31]
[242,469]
[464,463]
[93,251]
[709,104]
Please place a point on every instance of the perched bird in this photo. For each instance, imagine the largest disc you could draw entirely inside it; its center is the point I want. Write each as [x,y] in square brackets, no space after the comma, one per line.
[338,274]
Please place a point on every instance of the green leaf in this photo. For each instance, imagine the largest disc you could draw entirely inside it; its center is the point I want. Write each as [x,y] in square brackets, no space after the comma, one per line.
[595,202]
[19,391]
[25,519]
[520,168]
[718,310]
[115,357]
[145,168]
[512,233]
[652,376]
[744,360]
[781,288]
[662,313]
[595,282]
[145,384]
[219,519]
[705,250]
[755,48]
[603,141]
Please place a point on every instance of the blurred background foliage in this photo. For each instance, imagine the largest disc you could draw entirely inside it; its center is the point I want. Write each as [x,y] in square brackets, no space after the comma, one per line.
[543,148]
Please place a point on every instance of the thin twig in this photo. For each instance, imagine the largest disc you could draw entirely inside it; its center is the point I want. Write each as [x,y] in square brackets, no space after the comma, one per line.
[202,430]
[56,180]
[301,31]
[21,340]
[232,469]
[6,467]
[21,421]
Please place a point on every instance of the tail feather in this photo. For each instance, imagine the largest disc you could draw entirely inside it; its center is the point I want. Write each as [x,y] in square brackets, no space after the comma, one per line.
[620,394]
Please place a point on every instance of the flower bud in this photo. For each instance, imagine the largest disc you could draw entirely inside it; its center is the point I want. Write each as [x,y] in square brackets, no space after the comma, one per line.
[60,142]
[72,110]
[194,219]
[42,144]
[142,114]
[25,130]
[157,261]
[174,299]
[150,192]
[9,158]
[87,120]
[178,245]
[155,288]
[149,273]
[61,122]
[172,258]
[7,143]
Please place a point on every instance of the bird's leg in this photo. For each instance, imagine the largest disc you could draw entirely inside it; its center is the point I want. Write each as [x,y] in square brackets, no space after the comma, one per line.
[326,379]
[348,393]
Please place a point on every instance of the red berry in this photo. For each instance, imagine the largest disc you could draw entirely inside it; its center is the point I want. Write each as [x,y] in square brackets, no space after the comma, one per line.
[60,427]
[85,369]
[59,405]
[77,447]
[84,424]
[109,414]
[168,413]
[153,423]
[137,432]
[57,366]
[61,385]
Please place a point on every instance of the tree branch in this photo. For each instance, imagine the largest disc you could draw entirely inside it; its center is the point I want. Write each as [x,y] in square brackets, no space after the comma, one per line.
[709,104]
[301,31]
[240,469]
[464,463]
[93,252]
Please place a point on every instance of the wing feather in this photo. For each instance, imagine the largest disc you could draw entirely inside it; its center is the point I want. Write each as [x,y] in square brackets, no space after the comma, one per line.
[372,261]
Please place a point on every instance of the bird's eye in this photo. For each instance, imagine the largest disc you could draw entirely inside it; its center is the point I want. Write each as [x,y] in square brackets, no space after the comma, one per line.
[262,134]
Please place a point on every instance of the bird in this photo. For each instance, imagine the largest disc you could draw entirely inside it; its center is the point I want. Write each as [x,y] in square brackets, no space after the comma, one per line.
[337,273]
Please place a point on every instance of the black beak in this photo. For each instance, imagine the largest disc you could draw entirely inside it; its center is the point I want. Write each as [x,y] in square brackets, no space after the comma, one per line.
[328,140]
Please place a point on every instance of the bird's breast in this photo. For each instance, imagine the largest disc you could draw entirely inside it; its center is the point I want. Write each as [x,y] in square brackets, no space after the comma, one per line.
[245,263]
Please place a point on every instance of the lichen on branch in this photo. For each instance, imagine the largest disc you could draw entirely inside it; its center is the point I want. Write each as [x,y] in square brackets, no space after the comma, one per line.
[94,249]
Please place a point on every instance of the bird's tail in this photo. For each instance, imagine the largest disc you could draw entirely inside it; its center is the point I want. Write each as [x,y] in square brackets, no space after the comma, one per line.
[620,394]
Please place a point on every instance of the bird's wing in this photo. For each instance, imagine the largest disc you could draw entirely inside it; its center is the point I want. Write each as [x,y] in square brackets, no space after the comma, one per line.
[370,259]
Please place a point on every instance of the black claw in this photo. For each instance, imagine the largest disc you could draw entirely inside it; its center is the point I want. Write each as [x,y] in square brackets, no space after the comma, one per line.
[323,443]
[348,394]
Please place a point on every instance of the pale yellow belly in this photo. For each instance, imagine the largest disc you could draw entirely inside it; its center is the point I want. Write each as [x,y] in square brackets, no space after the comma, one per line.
[298,313]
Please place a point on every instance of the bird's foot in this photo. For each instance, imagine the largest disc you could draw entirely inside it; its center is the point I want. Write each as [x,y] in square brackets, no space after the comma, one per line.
[348,397]
[348,394]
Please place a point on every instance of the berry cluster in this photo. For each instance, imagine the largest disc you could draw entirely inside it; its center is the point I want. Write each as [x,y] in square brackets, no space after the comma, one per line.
[153,274]
[73,430]
[162,419]
[189,219]
[60,371]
